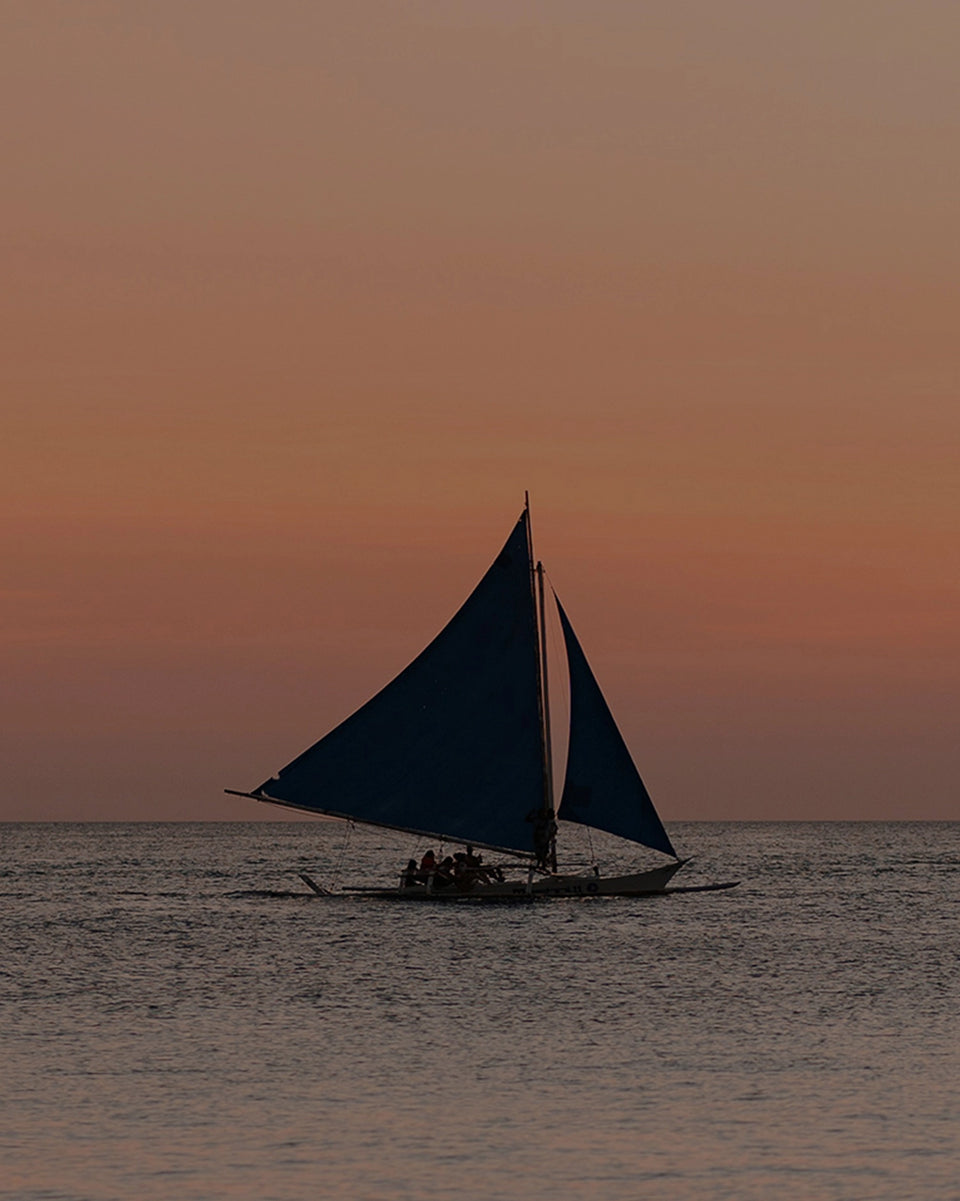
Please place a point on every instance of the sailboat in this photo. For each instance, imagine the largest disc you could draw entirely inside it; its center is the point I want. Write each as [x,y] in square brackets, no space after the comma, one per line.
[457,748]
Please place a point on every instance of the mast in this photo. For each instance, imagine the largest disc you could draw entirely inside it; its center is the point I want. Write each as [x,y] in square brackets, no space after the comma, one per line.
[548,803]
[545,826]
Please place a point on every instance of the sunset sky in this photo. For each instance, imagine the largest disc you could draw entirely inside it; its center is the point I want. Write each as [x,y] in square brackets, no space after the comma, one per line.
[300,297]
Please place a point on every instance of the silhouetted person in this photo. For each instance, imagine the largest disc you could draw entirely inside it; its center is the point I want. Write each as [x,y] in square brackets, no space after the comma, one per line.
[544,833]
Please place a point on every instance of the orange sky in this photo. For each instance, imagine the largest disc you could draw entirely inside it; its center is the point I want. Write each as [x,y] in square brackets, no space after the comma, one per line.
[300,298]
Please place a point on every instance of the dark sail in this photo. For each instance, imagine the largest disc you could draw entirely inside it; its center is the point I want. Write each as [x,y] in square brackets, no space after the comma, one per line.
[602,788]
[451,747]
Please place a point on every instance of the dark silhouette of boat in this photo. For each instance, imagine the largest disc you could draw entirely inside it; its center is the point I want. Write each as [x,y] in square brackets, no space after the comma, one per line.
[457,748]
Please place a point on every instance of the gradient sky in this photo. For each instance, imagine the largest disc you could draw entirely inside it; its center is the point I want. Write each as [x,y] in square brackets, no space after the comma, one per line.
[299,298]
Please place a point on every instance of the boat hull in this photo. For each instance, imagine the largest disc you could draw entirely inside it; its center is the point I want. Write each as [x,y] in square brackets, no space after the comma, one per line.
[637,884]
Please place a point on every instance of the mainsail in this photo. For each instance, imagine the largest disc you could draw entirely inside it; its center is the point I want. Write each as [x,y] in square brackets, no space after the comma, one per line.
[602,787]
[451,748]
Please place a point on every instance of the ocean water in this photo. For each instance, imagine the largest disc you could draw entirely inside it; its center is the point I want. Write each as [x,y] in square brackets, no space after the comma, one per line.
[179,1018]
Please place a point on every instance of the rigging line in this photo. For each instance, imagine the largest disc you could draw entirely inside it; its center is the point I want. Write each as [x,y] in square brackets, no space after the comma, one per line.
[343,850]
[593,857]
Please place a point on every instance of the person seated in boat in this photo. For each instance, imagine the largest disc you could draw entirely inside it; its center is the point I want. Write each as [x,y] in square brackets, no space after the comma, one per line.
[487,873]
[428,865]
[484,875]
[464,876]
[480,873]
[411,876]
[443,876]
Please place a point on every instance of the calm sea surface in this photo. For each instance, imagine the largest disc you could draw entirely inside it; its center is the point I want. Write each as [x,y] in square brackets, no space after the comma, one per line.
[173,1026]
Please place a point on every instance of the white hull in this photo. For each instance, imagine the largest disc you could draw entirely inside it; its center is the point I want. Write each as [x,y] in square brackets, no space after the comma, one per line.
[634,885]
